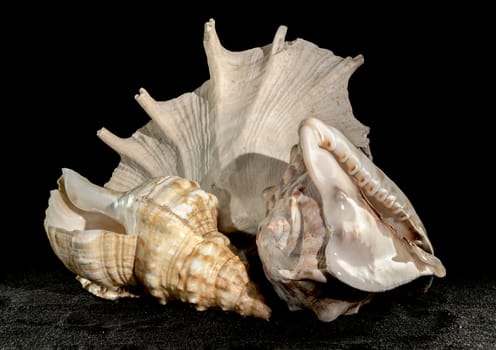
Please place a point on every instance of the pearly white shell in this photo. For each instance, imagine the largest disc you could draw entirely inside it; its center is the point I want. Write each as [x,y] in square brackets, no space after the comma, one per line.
[233,133]
[335,215]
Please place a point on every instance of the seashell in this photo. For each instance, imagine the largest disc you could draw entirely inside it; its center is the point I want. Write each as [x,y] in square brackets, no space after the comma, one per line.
[233,133]
[160,237]
[335,216]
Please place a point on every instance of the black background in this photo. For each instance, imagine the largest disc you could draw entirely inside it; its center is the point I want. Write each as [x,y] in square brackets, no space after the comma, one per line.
[68,71]
[71,71]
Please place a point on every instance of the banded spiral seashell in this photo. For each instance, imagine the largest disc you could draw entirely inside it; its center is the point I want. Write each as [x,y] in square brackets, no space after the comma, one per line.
[160,238]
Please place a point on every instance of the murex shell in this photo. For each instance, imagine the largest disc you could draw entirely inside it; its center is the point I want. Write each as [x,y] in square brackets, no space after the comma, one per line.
[161,236]
[233,133]
[333,217]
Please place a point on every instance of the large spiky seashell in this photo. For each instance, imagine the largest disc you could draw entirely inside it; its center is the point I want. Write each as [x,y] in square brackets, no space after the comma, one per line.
[334,219]
[161,237]
[232,134]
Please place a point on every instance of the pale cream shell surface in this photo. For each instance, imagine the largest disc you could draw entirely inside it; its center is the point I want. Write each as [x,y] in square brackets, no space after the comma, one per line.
[233,133]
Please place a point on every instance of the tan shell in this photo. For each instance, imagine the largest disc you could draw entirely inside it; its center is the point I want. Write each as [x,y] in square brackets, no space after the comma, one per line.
[161,237]
[233,133]
[335,219]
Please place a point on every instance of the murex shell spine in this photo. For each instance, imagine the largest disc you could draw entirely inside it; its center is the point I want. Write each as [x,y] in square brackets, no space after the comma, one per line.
[268,146]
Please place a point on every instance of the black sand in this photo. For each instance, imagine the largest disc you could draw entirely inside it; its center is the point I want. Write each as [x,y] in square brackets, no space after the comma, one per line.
[51,310]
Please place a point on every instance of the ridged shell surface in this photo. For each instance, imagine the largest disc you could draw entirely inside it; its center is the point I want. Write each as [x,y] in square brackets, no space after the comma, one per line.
[161,237]
[233,133]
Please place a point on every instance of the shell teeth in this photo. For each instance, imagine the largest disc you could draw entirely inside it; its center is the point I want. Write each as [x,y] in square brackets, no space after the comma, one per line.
[372,187]
[389,201]
[363,177]
[381,194]
[397,208]
[344,158]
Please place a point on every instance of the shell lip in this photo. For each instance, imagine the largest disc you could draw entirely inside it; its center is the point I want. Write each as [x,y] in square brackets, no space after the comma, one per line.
[368,247]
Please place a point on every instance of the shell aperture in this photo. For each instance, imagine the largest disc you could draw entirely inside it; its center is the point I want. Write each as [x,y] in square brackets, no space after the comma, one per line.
[324,225]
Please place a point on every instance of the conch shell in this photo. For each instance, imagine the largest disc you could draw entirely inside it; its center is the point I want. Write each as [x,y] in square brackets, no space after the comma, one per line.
[335,217]
[233,133]
[161,237]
